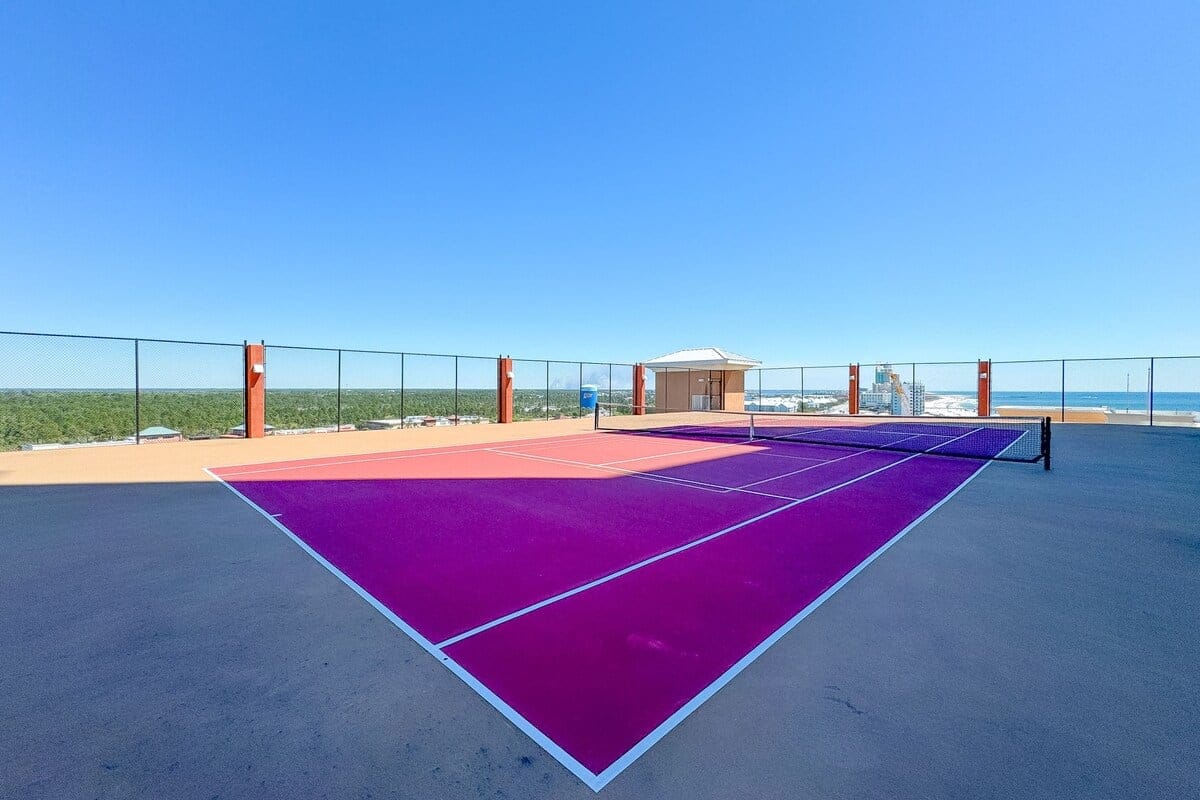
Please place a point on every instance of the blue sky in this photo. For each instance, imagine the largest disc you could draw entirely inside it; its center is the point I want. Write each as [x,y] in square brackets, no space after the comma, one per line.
[802,183]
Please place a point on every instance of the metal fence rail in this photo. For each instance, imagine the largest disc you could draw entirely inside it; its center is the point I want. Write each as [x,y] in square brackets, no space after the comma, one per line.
[67,389]
[64,389]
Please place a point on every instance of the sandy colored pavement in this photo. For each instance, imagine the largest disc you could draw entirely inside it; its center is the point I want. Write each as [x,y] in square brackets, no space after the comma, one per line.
[185,461]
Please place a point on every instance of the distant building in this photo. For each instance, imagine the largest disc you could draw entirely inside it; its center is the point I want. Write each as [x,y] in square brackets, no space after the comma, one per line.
[384,424]
[882,396]
[700,379]
[157,433]
[916,396]
[240,430]
[780,405]
[875,400]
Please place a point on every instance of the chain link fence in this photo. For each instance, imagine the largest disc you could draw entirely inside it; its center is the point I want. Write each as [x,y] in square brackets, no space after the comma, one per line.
[61,390]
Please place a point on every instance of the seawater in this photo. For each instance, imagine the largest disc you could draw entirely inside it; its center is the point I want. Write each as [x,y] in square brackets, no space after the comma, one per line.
[1116,401]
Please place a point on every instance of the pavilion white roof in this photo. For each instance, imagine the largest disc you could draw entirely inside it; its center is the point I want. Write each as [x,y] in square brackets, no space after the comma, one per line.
[702,358]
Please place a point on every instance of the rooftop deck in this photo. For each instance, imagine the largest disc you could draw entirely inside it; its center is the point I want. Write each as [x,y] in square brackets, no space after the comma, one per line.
[1036,636]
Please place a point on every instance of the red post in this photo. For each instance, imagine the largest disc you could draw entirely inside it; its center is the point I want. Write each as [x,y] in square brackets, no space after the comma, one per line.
[504,389]
[854,397]
[984,390]
[256,392]
[639,388]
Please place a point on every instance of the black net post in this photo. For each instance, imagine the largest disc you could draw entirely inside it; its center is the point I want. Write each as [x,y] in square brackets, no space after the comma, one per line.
[339,392]
[402,386]
[456,390]
[1046,443]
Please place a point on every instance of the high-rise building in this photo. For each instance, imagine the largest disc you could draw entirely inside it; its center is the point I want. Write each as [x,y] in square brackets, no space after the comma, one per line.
[916,397]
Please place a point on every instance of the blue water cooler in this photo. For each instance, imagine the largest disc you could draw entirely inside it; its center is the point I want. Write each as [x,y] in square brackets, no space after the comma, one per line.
[587,397]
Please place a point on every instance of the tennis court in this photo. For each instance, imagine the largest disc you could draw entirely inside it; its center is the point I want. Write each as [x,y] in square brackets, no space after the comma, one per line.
[599,587]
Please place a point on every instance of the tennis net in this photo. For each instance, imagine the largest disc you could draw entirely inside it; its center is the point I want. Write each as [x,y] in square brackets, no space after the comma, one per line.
[1025,439]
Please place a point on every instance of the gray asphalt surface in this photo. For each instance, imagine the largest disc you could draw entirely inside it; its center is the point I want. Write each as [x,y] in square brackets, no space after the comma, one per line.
[1037,637]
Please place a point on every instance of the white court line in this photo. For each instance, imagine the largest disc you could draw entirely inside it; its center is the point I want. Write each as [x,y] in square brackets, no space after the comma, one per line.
[785,455]
[649,476]
[592,780]
[667,725]
[756,444]
[1012,444]
[674,551]
[589,778]
[675,453]
[842,458]
[334,461]
[803,469]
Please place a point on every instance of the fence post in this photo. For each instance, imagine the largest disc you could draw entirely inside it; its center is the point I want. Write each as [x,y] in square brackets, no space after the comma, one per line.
[1150,393]
[245,387]
[1062,408]
[137,394]
[338,429]
[256,391]
[456,390]
[853,396]
[983,391]
[547,390]
[639,389]
[402,386]
[504,389]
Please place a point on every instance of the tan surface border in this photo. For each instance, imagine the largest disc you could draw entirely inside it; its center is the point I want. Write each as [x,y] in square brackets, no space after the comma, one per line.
[170,462]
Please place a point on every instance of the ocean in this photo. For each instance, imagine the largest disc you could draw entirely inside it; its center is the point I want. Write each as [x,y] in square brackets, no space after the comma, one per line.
[1116,401]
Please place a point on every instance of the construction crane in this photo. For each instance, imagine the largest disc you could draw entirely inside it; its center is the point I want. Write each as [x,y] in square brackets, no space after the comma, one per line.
[905,401]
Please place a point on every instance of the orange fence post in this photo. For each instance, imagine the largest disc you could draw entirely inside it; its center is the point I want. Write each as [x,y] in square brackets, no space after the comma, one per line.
[854,397]
[639,388]
[504,389]
[256,391]
[984,390]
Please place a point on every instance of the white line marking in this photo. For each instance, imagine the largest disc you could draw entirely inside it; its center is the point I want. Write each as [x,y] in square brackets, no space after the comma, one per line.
[594,781]
[675,453]
[786,455]
[556,752]
[611,576]
[673,551]
[804,469]
[648,476]
[1012,444]
[679,716]
[335,461]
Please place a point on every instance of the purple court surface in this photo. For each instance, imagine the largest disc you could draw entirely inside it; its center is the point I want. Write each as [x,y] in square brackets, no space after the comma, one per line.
[597,589]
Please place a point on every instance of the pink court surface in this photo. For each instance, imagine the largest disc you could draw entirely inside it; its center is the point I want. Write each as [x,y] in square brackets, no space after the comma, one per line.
[598,588]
